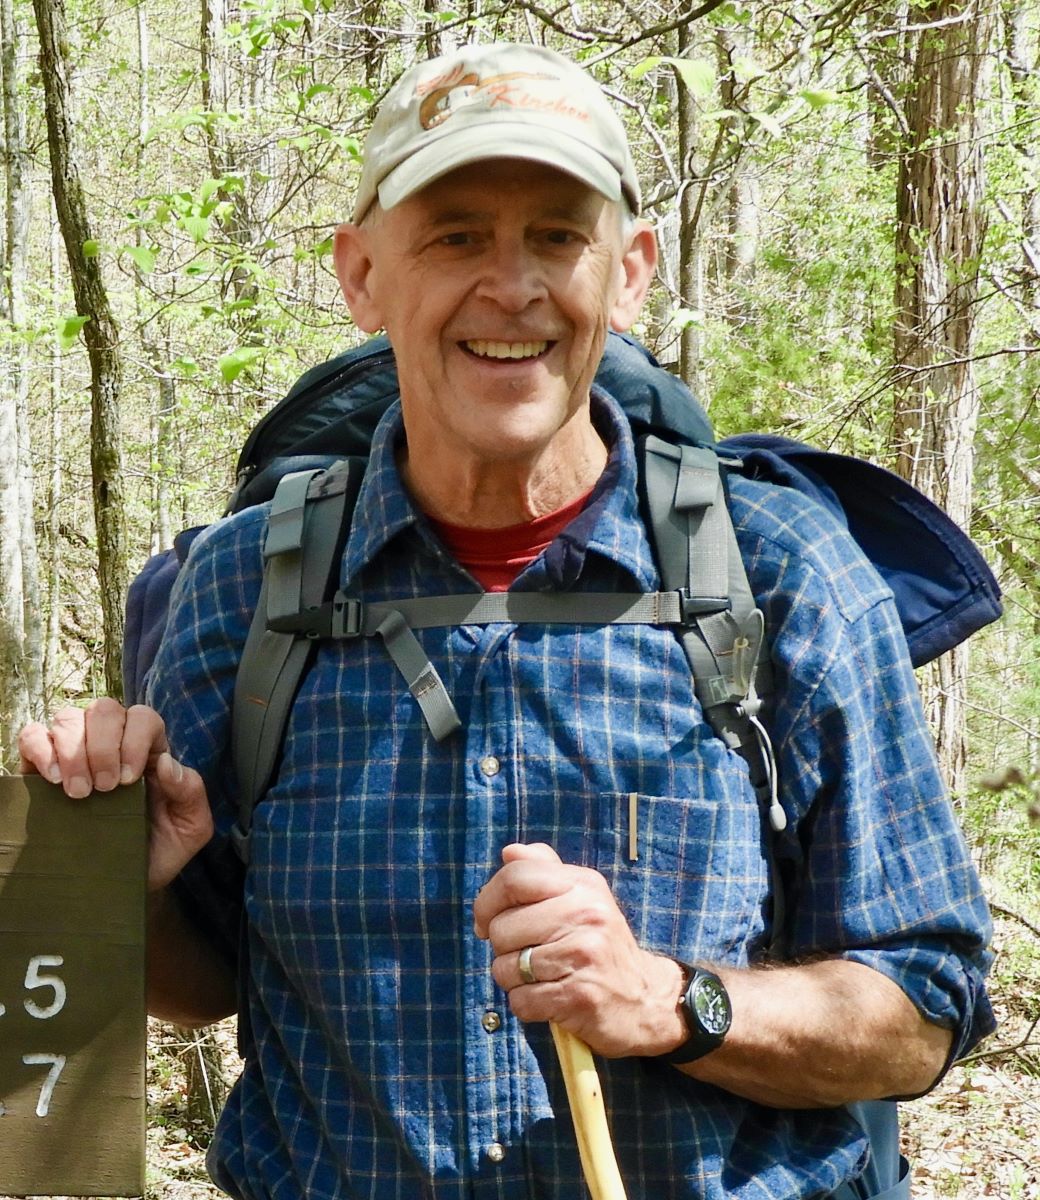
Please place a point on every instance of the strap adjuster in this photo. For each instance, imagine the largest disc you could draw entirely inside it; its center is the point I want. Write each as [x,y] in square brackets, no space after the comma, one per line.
[342,617]
[691,607]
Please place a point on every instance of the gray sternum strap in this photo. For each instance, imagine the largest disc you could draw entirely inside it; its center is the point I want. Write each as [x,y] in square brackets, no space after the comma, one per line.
[394,621]
[696,545]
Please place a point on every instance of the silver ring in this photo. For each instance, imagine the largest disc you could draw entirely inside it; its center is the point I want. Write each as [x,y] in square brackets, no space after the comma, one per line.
[527,974]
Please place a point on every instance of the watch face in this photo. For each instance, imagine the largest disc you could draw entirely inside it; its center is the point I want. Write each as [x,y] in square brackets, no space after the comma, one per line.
[711,1004]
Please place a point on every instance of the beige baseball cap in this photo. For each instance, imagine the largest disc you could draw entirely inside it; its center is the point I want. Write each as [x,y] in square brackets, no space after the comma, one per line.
[494,101]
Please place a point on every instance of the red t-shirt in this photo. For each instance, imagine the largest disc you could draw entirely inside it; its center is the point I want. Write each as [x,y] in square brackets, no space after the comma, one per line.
[495,557]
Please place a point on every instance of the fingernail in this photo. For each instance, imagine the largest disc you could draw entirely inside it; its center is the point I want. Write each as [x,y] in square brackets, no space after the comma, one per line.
[174,767]
[126,774]
[54,774]
[78,787]
[105,781]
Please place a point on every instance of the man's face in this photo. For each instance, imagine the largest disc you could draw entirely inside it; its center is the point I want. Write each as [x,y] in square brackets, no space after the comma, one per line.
[496,285]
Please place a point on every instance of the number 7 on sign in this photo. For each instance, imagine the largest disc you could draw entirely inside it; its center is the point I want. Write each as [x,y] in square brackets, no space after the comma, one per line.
[55,1062]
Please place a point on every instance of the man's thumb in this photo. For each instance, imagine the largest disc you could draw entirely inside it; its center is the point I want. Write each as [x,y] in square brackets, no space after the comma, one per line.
[516,851]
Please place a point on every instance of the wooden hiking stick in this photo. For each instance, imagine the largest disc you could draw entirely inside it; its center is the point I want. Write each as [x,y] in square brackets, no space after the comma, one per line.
[590,1118]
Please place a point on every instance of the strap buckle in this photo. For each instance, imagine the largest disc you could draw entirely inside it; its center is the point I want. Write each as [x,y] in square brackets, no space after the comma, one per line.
[692,607]
[341,617]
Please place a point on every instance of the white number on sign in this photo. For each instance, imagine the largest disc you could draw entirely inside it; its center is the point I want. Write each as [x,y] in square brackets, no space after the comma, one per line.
[34,978]
[55,1062]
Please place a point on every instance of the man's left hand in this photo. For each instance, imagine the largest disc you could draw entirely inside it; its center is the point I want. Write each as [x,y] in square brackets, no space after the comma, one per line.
[591,976]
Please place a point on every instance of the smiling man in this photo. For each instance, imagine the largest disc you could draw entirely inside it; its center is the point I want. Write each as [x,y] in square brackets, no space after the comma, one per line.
[584,849]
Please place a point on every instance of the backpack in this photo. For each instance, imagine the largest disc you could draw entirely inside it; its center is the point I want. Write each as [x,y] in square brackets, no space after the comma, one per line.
[307,456]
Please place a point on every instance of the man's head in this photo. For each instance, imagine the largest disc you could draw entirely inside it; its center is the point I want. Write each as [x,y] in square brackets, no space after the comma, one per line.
[488,101]
[493,241]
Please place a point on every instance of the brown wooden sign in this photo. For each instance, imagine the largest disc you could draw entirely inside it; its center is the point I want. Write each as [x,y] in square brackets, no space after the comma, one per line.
[72,1015]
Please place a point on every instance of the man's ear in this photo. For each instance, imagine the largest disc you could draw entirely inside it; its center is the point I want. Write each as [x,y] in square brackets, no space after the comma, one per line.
[636,271]
[353,262]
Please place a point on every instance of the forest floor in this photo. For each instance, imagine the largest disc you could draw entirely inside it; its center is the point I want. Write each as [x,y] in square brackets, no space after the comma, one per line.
[977,1136]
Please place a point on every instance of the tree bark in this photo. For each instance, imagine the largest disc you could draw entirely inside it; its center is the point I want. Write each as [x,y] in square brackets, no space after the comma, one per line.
[52,646]
[742,196]
[941,226]
[1023,60]
[691,241]
[100,333]
[21,650]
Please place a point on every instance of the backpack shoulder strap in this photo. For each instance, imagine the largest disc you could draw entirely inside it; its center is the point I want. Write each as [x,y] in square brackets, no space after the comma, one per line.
[697,553]
[310,518]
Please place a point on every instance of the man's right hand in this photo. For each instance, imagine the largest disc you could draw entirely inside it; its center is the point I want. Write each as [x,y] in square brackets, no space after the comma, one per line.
[99,747]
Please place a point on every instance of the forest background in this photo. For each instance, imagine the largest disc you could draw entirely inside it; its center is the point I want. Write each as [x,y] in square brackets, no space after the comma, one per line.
[848,201]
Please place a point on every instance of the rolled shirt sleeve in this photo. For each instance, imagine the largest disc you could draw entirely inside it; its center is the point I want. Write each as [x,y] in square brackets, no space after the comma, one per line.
[882,872]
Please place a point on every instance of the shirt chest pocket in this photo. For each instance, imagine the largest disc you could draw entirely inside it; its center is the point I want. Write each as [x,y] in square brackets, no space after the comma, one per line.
[689,873]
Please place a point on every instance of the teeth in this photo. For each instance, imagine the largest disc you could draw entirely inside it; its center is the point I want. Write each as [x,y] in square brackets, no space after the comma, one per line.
[486,349]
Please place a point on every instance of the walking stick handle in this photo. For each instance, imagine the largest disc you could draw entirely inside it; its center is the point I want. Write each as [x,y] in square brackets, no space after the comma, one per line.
[590,1118]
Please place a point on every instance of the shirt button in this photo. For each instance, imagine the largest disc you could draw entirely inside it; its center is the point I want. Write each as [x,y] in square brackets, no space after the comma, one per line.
[490,765]
[491,1021]
[496,1152]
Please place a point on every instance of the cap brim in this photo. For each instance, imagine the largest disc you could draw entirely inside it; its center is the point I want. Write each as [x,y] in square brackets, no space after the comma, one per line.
[501,139]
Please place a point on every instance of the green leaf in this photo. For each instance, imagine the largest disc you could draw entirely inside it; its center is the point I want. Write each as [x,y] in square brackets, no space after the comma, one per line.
[196,228]
[819,97]
[645,67]
[697,73]
[143,257]
[209,186]
[232,365]
[68,331]
[91,248]
[317,89]
[186,366]
[768,122]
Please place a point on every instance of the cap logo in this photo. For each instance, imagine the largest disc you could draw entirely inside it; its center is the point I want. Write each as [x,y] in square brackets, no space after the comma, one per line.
[445,95]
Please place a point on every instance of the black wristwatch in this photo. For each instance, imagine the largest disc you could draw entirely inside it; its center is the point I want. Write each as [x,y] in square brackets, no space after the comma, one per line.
[704,1004]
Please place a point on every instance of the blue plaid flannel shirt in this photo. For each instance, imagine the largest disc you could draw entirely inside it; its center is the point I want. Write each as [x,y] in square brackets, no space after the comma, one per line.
[384,1060]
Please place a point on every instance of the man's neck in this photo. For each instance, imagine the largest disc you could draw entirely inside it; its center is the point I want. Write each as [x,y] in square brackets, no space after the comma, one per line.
[468,491]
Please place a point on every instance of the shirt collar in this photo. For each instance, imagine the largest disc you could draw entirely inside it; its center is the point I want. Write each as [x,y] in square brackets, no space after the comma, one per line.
[609,525]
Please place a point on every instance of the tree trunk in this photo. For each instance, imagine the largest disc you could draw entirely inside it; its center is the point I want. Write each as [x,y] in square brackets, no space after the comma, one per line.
[1024,64]
[691,241]
[156,353]
[52,649]
[940,230]
[99,333]
[742,195]
[21,651]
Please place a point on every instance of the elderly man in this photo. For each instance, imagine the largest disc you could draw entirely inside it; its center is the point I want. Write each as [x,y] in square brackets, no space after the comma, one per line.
[414,911]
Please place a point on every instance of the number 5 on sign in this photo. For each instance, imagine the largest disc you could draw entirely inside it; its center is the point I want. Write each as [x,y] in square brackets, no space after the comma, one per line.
[72,1028]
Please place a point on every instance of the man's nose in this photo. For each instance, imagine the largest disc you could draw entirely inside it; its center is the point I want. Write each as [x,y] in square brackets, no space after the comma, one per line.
[513,277]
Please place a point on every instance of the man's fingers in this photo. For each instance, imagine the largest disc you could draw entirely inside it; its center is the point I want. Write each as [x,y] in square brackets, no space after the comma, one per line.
[144,739]
[37,754]
[104,722]
[68,734]
[97,747]
[506,900]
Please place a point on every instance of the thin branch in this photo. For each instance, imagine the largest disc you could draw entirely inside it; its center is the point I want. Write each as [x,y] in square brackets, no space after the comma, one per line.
[1001,911]
[1001,1051]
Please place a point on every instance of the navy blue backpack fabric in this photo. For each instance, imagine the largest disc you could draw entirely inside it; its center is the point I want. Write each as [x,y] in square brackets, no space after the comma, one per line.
[943,587]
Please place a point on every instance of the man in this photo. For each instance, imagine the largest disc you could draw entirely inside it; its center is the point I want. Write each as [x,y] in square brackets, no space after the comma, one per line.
[583,848]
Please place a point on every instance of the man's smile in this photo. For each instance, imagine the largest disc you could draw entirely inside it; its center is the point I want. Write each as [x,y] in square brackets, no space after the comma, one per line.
[485,348]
